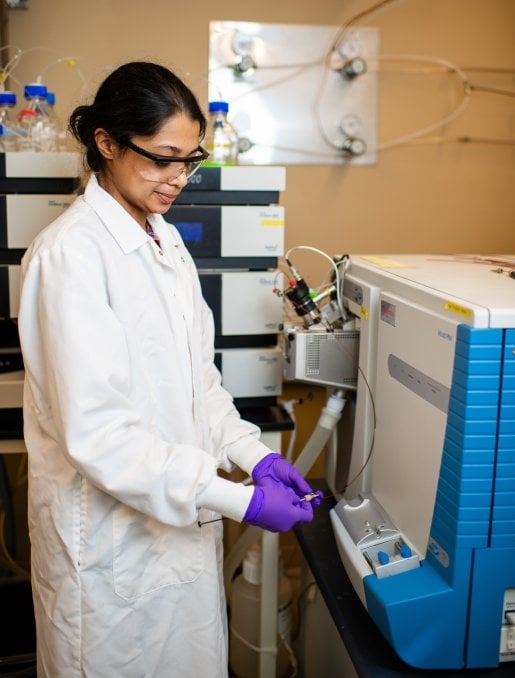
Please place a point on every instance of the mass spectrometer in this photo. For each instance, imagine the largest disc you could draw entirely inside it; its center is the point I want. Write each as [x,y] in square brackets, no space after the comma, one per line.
[425,472]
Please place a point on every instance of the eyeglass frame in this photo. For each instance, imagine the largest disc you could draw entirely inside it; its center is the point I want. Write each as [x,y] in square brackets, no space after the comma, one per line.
[162,160]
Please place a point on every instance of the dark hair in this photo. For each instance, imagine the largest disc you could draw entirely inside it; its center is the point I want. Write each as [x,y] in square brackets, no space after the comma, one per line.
[134,100]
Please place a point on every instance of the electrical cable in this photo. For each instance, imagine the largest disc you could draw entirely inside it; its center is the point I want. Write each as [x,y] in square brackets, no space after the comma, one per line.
[372,440]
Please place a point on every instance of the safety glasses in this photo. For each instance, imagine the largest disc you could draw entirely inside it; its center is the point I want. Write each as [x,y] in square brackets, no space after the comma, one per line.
[190,164]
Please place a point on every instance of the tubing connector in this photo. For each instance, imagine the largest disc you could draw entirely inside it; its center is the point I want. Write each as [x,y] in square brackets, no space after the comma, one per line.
[332,410]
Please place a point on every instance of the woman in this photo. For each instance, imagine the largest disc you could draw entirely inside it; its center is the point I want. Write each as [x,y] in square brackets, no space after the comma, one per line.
[126,422]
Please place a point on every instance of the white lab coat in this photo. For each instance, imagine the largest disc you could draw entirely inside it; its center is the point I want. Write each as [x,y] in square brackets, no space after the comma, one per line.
[126,424]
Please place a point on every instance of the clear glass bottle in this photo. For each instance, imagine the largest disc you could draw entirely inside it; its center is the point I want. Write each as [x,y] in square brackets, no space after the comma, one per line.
[60,131]
[221,140]
[9,136]
[36,130]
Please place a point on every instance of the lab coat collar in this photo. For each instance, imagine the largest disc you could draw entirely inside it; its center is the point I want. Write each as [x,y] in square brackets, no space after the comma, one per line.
[125,230]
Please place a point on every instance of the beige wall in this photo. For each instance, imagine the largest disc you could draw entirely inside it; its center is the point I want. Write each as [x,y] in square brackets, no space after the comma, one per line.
[424,197]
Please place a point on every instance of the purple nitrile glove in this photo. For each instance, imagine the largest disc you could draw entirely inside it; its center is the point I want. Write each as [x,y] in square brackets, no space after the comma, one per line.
[274,469]
[277,508]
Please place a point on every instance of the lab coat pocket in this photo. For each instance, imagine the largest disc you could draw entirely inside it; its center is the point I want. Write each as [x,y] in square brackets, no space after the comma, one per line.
[148,555]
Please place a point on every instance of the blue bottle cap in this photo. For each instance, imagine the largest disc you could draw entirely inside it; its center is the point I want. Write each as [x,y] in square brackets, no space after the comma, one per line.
[7,98]
[35,90]
[50,98]
[218,106]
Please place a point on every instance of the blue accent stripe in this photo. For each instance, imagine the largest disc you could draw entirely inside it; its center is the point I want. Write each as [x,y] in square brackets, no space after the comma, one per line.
[461,516]
[478,351]
[465,397]
[503,513]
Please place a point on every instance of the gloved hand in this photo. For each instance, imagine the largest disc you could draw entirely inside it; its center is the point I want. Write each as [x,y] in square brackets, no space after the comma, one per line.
[277,508]
[275,470]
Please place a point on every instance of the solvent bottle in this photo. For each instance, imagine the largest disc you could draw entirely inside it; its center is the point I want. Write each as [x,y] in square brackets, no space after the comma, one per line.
[221,140]
[245,615]
[60,132]
[36,130]
[9,136]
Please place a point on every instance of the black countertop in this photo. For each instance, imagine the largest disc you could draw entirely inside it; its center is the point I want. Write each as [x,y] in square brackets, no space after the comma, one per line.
[370,653]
